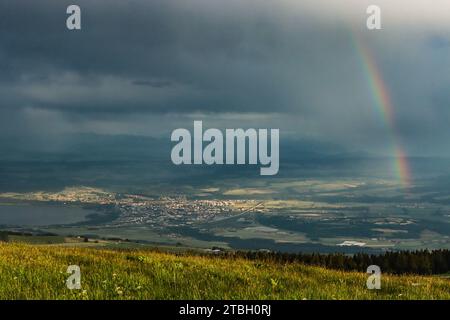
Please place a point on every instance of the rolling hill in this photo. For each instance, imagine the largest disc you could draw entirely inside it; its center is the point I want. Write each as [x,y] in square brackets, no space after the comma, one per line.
[40,272]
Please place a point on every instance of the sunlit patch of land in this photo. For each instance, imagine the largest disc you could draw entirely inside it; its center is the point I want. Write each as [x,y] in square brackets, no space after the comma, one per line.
[70,194]
[299,204]
[210,190]
[247,191]
[320,185]
[262,232]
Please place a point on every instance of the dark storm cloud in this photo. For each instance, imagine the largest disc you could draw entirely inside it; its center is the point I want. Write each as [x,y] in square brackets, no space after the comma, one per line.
[222,56]
[144,66]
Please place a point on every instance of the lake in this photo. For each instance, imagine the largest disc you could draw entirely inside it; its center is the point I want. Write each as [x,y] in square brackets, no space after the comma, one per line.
[36,214]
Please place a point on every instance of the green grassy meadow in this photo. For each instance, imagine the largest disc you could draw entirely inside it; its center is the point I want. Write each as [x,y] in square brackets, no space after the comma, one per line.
[39,272]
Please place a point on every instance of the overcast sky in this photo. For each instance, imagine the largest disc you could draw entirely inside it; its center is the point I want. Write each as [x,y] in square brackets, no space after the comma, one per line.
[149,67]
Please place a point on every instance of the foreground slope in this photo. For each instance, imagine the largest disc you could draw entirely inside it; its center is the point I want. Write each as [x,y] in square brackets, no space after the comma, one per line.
[39,272]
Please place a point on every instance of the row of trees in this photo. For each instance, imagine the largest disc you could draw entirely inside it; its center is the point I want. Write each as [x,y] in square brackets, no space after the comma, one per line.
[423,262]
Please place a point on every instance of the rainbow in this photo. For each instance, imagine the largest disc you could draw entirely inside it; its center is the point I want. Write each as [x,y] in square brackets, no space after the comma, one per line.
[383,103]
